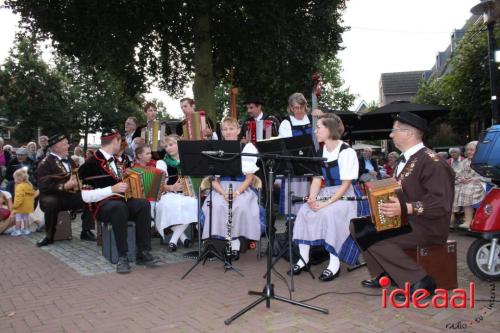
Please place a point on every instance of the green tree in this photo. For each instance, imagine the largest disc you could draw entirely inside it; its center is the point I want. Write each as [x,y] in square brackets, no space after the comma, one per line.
[32,94]
[273,45]
[464,88]
[333,96]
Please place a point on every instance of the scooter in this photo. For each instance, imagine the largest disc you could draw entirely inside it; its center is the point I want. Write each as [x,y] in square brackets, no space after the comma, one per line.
[483,256]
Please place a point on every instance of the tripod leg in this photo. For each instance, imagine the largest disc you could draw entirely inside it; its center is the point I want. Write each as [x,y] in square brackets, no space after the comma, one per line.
[251,306]
[304,305]
[200,258]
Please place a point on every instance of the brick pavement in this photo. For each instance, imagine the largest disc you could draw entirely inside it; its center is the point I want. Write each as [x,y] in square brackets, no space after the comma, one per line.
[42,291]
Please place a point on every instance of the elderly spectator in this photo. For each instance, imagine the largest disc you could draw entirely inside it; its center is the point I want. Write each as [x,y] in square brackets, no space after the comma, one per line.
[130,133]
[443,155]
[43,142]
[469,189]
[78,156]
[392,162]
[368,167]
[455,158]
[20,161]
[31,147]
[4,159]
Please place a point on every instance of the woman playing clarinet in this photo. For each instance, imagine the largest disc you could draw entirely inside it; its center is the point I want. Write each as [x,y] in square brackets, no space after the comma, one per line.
[246,217]
[327,222]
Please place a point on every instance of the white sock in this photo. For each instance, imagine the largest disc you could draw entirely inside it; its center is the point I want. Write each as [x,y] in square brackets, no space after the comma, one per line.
[334,264]
[178,230]
[235,244]
[304,252]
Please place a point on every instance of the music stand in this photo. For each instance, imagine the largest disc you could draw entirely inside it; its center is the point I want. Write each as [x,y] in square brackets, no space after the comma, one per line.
[267,294]
[194,163]
[301,146]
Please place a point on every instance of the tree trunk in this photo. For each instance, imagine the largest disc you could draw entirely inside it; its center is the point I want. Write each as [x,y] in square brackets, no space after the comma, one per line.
[204,82]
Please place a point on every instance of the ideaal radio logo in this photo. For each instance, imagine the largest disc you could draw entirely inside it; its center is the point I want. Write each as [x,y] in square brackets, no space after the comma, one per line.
[442,299]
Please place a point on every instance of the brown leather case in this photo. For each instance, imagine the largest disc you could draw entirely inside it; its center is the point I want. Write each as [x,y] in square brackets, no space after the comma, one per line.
[439,261]
[63,227]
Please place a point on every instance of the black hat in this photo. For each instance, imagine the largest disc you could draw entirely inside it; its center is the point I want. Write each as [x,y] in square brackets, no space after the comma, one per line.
[412,120]
[254,100]
[55,139]
[109,133]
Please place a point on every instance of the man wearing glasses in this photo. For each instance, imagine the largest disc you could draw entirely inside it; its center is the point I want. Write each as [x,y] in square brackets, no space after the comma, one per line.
[428,188]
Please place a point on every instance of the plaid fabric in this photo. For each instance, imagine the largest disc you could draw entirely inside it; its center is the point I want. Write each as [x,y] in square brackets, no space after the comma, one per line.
[467,194]
[349,252]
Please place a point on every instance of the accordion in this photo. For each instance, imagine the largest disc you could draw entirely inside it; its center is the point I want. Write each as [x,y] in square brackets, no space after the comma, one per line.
[258,130]
[153,134]
[194,125]
[378,192]
[368,230]
[144,183]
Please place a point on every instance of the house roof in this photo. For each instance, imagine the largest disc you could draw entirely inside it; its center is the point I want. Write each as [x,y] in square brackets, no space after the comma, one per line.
[401,82]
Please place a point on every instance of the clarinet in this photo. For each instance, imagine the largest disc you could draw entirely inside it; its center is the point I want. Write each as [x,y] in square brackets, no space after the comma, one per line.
[229,224]
[297,199]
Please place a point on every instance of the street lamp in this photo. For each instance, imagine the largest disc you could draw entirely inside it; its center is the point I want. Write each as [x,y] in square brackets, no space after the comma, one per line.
[490,9]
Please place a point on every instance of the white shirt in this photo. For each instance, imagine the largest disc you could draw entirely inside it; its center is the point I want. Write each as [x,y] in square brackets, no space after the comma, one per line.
[407,154]
[260,116]
[107,157]
[285,130]
[99,194]
[249,163]
[65,164]
[347,159]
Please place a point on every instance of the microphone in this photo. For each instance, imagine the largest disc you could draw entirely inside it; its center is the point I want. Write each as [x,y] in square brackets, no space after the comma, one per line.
[219,153]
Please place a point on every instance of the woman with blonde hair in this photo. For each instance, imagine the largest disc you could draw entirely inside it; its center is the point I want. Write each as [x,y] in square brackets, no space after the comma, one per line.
[175,210]
[246,214]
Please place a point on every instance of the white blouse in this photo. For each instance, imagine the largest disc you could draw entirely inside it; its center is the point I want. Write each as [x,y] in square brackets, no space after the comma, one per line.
[348,161]
[285,130]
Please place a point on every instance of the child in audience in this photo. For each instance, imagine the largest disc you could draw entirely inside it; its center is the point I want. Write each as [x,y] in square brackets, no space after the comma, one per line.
[24,202]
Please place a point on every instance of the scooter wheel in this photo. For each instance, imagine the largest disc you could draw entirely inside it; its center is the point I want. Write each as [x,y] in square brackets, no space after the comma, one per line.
[477,260]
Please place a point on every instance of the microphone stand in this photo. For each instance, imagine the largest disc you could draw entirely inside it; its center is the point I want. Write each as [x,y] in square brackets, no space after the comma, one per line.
[267,294]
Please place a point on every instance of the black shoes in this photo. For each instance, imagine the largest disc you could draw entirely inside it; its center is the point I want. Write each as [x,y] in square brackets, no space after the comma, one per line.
[235,255]
[145,259]
[87,235]
[44,242]
[373,283]
[123,266]
[187,243]
[172,247]
[426,283]
[328,275]
[296,269]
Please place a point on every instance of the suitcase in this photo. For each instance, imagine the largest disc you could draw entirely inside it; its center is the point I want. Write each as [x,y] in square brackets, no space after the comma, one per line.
[63,226]
[109,250]
[439,261]
[486,160]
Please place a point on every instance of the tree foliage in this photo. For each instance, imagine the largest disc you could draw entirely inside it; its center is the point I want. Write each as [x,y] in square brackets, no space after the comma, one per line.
[464,88]
[67,97]
[274,46]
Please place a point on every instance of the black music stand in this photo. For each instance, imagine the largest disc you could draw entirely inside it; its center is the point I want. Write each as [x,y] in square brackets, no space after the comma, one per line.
[268,291]
[301,146]
[194,163]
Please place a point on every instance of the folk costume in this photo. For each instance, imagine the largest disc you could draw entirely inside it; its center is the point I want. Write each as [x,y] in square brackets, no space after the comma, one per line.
[98,174]
[293,127]
[246,212]
[174,210]
[52,172]
[330,225]
[427,183]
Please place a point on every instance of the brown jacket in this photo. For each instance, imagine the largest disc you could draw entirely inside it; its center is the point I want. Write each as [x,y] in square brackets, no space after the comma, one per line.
[428,182]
